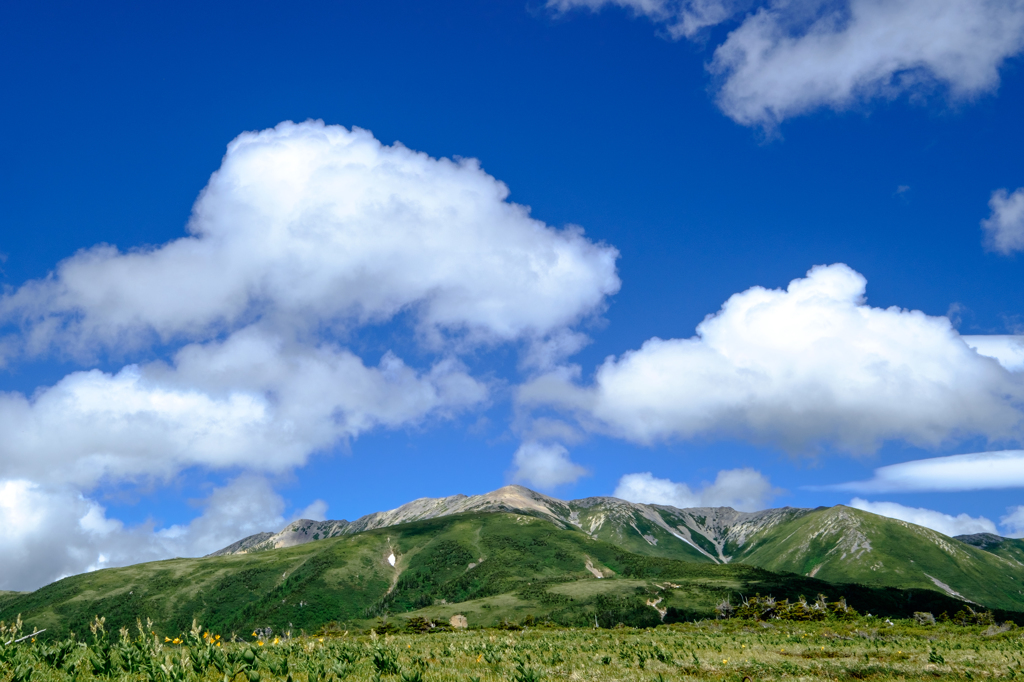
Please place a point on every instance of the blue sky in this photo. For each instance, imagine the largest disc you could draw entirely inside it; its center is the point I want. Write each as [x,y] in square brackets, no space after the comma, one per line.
[350,325]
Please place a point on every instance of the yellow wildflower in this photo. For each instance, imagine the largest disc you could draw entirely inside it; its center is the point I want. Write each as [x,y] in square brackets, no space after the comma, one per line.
[167,639]
[261,642]
[725,660]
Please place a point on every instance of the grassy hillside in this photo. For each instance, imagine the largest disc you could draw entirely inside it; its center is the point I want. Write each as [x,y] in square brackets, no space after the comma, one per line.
[841,544]
[1008,548]
[489,566]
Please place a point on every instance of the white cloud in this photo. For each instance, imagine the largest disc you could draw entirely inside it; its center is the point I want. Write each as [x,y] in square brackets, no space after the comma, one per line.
[1007,349]
[47,533]
[975,471]
[742,489]
[1013,522]
[787,58]
[1004,229]
[251,402]
[961,524]
[682,18]
[307,226]
[545,466]
[795,368]
[306,235]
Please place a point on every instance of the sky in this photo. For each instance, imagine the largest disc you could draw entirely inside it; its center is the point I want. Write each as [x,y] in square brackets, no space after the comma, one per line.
[263,263]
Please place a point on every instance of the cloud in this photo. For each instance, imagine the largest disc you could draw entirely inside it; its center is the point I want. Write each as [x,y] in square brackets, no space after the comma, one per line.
[682,18]
[788,58]
[1013,522]
[545,466]
[742,489]
[1004,229]
[306,237]
[1007,349]
[250,402]
[961,524]
[975,471]
[308,226]
[47,533]
[796,368]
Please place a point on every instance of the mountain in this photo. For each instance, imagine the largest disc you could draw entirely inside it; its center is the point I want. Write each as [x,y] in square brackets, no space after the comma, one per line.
[1008,548]
[837,544]
[488,566]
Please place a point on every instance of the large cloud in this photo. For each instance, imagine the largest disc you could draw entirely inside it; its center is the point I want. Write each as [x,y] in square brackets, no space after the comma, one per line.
[786,58]
[961,524]
[1004,228]
[251,401]
[742,489]
[975,471]
[794,368]
[306,235]
[48,533]
[307,226]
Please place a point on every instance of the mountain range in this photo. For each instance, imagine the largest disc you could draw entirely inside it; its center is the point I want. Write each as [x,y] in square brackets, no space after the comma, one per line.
[514,552]
[837,544]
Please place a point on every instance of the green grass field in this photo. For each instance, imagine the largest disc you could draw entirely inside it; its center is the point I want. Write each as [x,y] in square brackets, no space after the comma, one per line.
[857,649]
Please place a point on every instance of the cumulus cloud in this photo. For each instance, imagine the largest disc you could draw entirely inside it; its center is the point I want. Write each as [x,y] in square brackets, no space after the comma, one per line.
[975,471]
[251,402]
[47,533]
[788,58]
[306,226]
[1008,349]
[795,368]
[545,466]
[742,489]
[306,235]
[961,524]
[1004,228]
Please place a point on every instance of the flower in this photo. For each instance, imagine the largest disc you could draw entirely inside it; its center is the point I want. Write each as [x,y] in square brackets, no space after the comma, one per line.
[260,642]
[725,660]
[167,639]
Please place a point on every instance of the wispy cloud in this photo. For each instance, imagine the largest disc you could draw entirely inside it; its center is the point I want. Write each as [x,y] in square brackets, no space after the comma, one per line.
[947,524]
[974,471]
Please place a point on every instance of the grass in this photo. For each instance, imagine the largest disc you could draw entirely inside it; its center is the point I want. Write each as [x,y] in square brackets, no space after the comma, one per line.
[861,649]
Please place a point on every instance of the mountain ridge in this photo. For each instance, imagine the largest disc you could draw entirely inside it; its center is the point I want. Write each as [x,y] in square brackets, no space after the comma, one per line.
[839,544]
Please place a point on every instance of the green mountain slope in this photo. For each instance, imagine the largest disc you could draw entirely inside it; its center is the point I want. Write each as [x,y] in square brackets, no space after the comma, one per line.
[837,544]
[1008,548]
[842,544]
[489,566]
